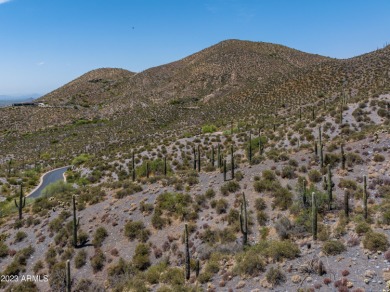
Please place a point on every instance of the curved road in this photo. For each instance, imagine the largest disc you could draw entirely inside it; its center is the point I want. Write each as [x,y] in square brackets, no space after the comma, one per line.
[48,178]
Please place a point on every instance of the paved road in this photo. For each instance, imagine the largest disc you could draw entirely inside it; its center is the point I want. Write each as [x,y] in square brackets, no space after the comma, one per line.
[48,178]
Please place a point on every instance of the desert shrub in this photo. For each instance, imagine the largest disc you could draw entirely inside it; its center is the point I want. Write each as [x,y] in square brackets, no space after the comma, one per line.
[250,263]
[378,157]
[260,204]
[136,229]
[80,259]
[210,193]
[24,286]
[141,259]
[261,217]
[239,176]
[174,277]
[37,267]
[375,241]
[221,206]
[58,188]
[333,247]
[314,176]
[386,217]
[97,260]
[283,227]
[57,276]
[156,168]
[279,249]
[50,256]
[362,228]
[99,236]
[128,189]
[288,172]
[82,237]
[282,198]
[209,129]
[275,276]
[82,158]
[175,204]
[3,250]
[352,159]
[230,187]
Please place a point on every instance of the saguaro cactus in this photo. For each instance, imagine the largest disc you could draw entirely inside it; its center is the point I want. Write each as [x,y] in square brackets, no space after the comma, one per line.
[304,192]
[219,156]
[68,277]
[321,155]
[194,153]
[147,169]
[224,169]
[198,158]
[9,167]
[319,135]
[76,221]
[261,147]
[346,202]
[197,268]
[165,166]
[244,221]
[314,215]
[187,253]
[232,160]
[212,156]
[22,202]
[342,157]
[133,166]
[316,148]
[330,186]
[365,197]
[250,148]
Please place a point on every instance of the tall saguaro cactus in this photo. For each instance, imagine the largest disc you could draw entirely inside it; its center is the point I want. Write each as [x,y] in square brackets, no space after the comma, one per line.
[187,253]
[133,166]
[314,215]
[342,157]
[22,202]
[321,155]
[346,203]
[232,160]
[244,221]
[9,167]
[212,156]
[76,221]
[224,170]
[68,277]
[194,153]
[365,197]
[165,166]
[219,156]
[304,192]
[329,187]
[198,158]
[250,148]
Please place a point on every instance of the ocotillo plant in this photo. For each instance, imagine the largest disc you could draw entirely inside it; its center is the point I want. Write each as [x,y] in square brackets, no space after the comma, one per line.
[198,158]
[68,277]
[232,160]
[342,157]
[250,148]
[330,186]
[76,221]
[212,156]
[346,203]
[314,215]
[244,221]
[22,202]
[365,197]
[224,170]
[187,253]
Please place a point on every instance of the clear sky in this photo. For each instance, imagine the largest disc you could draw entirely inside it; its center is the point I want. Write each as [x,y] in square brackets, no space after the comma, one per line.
[47,43]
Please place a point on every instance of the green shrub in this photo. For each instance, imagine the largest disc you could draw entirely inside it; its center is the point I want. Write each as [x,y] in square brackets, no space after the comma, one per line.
[230,187]
[362,228]
[333,247]
[20,235]
[99,236]
[97,260]
[378,157]
[314,176]
[136,229]
[288,172]
[80,259]
[375,241]
[282,198]
[3,250]
[260,204]
[82,158]
[128,189]
[250,263]
[275,276]
[221,206]
[209,129]
[141,257]
[173,276]
[210,193]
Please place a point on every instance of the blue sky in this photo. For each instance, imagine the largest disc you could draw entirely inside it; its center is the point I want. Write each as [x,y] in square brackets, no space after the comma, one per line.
[47,43]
